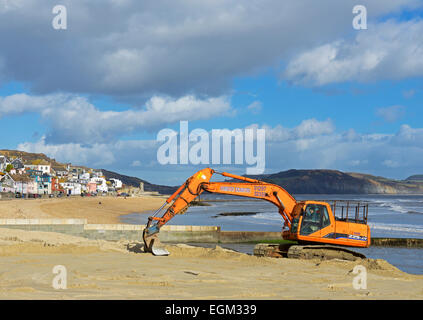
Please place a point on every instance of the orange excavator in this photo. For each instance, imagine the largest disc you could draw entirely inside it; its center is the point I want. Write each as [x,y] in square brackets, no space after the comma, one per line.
[311,224]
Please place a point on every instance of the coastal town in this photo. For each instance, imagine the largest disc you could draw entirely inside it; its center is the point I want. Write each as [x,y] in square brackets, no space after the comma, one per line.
[20,178]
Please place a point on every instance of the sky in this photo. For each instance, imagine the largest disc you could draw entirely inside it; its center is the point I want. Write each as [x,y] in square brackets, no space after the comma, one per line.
[97,90]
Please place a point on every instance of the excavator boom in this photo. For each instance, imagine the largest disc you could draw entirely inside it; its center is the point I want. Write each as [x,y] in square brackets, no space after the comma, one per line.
[290,210]
[200,182]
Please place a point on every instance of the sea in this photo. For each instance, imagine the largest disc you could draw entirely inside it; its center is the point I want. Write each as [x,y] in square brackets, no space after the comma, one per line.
[391,216]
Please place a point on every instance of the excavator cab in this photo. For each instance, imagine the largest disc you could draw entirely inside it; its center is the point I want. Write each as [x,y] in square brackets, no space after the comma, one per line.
[315,222]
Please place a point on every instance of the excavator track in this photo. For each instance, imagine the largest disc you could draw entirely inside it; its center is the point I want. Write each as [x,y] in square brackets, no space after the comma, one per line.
[294,251]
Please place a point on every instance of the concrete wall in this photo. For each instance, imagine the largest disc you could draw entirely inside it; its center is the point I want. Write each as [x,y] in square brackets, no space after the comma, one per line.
[168,233]
[247,236]
[7,195]
[397,242]
[113,232]
[11,195]
[69,226]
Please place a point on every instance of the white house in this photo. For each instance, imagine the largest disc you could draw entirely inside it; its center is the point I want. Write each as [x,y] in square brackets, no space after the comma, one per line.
[3,162]
[116,183]
[44,168]
[17,163]
[101,184]
[7,184]
[84,178]
[60,172]
[97,174]
[18,183]
[72,188]
[17,171]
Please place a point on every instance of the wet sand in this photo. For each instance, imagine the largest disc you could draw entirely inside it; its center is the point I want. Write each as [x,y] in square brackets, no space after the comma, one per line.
[121,270]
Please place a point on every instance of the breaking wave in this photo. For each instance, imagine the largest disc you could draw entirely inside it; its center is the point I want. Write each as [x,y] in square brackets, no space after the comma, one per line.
[400,206]
[396,227]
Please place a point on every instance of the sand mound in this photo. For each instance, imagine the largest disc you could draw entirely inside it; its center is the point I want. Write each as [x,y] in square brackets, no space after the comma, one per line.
[376,266]
[217,253]
[13,242]
[183,250]
[382,266]
[52,238]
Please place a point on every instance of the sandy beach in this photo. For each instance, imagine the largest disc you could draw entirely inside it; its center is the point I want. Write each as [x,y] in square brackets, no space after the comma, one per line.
[120,270]
[98,269]
[94,209]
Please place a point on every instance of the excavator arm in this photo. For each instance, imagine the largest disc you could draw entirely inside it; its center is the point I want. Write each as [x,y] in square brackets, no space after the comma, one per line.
[200,182]
[259,190]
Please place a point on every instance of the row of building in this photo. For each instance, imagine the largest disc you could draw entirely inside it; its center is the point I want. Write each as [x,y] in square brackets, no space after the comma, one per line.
[41,178]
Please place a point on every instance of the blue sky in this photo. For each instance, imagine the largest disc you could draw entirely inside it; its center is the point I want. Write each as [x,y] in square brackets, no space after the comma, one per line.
[329,96]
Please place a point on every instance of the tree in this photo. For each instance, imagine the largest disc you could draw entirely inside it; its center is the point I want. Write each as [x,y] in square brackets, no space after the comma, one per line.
[9,167]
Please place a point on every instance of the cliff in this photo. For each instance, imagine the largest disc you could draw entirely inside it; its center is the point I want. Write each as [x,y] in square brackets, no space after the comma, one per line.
[337,182]
[295,181]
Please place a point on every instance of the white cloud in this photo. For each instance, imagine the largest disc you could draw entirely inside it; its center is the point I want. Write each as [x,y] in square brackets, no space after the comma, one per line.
[309,128]
[192,47]
[392,155]
[118,154]
[255,107]
[408,136]
[136,163]
[74,119]
[8,5]
[94,155]
[312,127]
[388,50]
[390,163]
[409,93]
[391,114]
[397,155]
[356,163]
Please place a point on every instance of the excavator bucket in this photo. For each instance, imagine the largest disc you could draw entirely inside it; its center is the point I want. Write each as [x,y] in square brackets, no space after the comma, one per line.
[152,244]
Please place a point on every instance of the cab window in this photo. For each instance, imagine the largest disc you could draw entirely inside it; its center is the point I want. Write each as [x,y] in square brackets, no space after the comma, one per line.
[315,217]
[325,217]
[296,214]
[294,225]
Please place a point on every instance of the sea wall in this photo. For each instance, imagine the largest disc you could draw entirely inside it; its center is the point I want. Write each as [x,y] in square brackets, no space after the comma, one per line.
[115,232]
[397,242]
[169,233]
